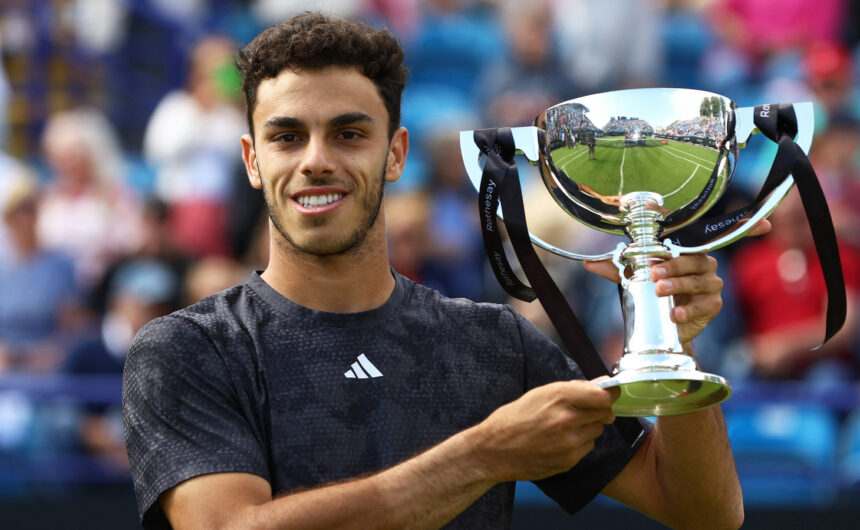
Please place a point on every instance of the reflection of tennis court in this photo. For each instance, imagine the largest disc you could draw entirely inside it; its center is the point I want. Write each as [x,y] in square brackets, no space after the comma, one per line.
[676,170]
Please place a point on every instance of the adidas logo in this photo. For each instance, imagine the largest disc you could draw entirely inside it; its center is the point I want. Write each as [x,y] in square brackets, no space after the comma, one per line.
[362,369]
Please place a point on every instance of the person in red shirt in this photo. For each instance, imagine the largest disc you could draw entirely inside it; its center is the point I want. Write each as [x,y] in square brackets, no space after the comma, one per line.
[780,288]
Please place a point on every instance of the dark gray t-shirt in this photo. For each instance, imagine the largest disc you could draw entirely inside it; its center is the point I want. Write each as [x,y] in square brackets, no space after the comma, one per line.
[247,381]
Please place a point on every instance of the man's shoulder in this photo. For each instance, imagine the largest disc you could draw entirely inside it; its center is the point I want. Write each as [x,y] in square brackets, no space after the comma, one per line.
[426,298]
[203,322]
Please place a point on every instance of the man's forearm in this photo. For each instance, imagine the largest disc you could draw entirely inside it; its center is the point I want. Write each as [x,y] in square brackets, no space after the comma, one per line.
[544,432]
[426,491]
[696,471]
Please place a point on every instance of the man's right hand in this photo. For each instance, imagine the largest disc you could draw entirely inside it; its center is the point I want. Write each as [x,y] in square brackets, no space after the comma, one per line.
[545,432]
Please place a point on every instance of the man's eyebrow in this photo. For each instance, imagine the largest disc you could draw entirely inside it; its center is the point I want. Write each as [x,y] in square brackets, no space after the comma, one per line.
[283,122]
[288,122]
[350,118]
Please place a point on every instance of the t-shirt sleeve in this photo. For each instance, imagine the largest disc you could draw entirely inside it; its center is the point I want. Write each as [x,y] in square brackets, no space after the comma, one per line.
[182,415]
[545,363]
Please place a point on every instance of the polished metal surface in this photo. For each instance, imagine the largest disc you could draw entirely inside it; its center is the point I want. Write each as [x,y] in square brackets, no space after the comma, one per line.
[666,392]
[672,142]
[643,163]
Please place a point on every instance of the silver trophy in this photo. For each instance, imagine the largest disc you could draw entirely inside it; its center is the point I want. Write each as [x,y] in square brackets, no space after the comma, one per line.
[643,164]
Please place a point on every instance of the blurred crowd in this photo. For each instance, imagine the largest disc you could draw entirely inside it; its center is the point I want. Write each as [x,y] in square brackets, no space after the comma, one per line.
[124,197]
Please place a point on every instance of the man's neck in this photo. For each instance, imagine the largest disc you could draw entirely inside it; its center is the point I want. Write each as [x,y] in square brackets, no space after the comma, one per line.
[346,283]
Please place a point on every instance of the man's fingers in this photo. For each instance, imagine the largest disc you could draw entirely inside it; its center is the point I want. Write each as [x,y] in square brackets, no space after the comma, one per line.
[762,227]
[687,264]
[583,394]
[604,268]
[697,308]
[690,285]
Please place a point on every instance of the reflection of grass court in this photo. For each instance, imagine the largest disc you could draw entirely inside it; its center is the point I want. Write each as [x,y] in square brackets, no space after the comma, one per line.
[676,170]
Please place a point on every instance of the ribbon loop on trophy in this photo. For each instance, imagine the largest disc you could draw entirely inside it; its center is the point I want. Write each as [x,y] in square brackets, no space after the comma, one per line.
[642,164]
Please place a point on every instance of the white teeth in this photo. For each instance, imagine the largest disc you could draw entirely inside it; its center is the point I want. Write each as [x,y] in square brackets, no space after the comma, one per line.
[312,201]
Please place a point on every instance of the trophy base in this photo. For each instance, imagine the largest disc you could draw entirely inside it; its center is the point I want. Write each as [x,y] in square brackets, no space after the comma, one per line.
[666,392]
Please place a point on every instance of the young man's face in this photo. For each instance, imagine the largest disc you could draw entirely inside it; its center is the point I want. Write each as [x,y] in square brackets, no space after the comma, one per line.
[321,155]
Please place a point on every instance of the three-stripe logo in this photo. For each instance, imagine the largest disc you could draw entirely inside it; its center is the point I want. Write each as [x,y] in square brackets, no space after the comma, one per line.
[362,369]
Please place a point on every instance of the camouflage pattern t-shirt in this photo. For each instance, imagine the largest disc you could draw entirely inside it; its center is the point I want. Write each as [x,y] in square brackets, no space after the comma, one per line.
[248,381]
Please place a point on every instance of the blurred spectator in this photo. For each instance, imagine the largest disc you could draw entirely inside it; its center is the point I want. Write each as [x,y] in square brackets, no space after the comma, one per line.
[211,275]
[829,72]
[193,142]
[271,12]
[406,216]
[610,45]
[455,250]
[761,28]
[140,291]
[38,294]
[760,42]
[155,243]
[835,155]
[5,96]
[520,86]
[446,54]
[87,211]
[10,169]
[780,287]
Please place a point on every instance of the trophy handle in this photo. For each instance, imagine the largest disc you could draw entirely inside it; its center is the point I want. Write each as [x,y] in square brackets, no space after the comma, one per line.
[744,129]
[526,143]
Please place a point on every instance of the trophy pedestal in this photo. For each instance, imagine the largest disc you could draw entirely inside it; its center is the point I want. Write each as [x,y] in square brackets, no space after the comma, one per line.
[666,392]
[663,384]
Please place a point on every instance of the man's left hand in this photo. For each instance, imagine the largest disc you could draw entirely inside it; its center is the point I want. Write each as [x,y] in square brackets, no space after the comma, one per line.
[692,279]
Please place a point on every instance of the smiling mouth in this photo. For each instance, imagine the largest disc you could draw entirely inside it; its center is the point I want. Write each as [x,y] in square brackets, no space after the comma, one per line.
[317,201]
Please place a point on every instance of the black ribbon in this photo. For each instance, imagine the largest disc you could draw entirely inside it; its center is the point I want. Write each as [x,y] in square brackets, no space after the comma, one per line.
[501,176]
[498,145]
[779,124]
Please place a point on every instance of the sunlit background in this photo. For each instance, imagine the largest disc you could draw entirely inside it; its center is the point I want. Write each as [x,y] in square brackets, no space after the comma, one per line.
[124,197]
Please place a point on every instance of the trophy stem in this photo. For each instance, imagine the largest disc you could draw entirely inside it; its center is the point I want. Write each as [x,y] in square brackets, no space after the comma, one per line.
[656,377]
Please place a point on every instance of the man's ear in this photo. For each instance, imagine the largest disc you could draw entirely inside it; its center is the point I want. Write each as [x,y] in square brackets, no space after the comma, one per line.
[249,156]
[397,151]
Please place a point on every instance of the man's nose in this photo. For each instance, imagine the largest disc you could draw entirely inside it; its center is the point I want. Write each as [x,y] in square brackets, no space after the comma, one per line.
[318,158]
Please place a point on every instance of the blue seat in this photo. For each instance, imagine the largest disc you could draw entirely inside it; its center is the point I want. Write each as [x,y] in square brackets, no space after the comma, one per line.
[428,109]
[453,51]
[849,454]
[528,494]
[785,453]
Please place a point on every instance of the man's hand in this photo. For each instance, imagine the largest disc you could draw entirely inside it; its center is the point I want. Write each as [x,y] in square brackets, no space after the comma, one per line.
[545,432]
[692,279]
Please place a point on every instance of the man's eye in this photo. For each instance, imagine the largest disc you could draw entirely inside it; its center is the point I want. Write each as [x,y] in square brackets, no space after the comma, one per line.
[287,137]
[349,135]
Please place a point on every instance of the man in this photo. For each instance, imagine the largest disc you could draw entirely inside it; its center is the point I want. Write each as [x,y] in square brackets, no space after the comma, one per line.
[330,392]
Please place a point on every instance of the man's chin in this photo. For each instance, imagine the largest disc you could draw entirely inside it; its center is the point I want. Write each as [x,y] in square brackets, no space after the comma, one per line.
[323,246]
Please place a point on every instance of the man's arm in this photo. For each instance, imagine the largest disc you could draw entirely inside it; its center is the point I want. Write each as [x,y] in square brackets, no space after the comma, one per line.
[545,432]
[684,473]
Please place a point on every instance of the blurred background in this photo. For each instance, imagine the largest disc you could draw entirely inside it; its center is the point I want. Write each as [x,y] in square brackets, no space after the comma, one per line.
[123,198]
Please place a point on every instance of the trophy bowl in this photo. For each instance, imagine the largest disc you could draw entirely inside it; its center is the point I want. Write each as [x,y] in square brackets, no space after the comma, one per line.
[643,164]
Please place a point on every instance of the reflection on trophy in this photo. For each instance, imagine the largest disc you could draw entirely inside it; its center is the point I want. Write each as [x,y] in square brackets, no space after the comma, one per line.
[647,165]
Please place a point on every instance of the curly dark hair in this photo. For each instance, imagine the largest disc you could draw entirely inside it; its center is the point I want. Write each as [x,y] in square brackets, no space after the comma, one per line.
[313,41]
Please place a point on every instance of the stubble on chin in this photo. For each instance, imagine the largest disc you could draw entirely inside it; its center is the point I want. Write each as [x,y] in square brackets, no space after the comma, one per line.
[350,242]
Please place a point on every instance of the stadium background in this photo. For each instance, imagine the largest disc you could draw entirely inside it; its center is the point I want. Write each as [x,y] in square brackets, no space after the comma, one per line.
[97,70]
